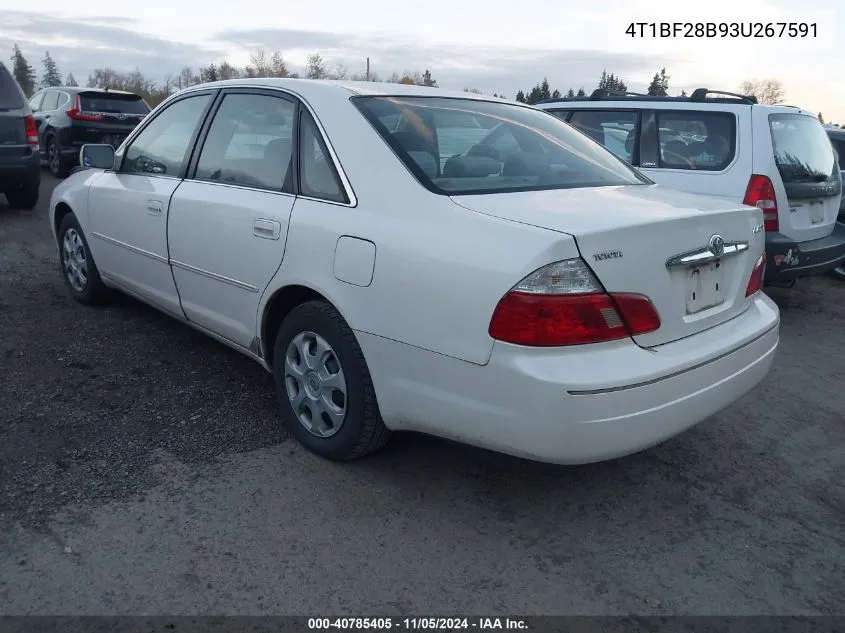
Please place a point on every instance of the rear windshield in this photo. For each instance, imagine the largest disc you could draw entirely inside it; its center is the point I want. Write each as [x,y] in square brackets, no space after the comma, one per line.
[10,95]
[115,103]
[464,146]
[802,148]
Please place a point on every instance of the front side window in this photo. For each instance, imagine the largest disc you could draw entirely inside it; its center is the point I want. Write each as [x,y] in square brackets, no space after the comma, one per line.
[491,147]
[317,175]
[696,140]
[161,147]
[249,143]
[35,101]
[803,153]
[616,130]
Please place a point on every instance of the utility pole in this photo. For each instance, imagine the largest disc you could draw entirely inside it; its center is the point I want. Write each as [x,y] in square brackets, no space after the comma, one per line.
[368,69]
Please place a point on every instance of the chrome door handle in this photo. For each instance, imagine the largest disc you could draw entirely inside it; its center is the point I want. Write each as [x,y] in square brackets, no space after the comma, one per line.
[153,207]
[268,229]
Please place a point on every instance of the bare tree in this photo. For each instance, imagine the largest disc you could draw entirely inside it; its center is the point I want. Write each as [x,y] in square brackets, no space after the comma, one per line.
[278,67]
[260,63]
[340,72]
[227,71]
[475,91]
[315,68]
[186,77]
[768,91]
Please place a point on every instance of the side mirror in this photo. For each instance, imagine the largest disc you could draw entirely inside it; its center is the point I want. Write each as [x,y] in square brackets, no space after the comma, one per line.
[97,156]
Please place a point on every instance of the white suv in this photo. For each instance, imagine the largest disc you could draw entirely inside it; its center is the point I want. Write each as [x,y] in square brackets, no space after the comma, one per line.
[777,158]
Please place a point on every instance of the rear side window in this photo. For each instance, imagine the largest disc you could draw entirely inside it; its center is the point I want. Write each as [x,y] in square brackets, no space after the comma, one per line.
[317,175]
[11,97]
[249,143]
[803,152]
[112,103]
[839,148]
[616,130]
[51,101]
[703,141]
[35,101]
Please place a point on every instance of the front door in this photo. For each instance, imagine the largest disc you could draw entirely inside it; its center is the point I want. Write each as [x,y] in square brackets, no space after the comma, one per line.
[229,218]
[129,207]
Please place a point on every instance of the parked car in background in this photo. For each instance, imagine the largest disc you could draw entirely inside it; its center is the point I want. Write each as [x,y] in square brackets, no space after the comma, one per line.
[20,168]
[534,295]
[777,158]
[837,139]
[68,117]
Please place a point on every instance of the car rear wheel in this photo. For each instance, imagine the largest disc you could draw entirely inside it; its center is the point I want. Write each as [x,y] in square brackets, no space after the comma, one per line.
[79,270]
[324,386]
[57,164]
[24,196]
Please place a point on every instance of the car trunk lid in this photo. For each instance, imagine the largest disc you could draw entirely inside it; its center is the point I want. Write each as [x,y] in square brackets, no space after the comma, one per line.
[651,241]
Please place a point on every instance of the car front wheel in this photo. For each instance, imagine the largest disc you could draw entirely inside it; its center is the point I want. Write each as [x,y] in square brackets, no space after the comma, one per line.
[324,386]
[79,270]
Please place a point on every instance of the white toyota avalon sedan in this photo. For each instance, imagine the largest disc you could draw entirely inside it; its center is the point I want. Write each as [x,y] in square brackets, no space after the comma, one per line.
[407,258]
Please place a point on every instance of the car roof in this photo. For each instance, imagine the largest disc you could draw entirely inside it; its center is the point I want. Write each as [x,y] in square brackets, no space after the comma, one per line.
[74,89]
[311,89]
[837,133]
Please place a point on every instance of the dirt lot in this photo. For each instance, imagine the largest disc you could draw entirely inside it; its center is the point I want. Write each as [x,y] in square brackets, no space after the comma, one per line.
[143,469]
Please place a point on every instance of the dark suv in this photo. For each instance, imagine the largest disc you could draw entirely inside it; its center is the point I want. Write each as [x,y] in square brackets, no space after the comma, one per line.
[70,117]
[20,167]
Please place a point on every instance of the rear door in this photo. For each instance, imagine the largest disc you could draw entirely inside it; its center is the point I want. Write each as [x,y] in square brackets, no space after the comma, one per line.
[229,220]
[13,141]
[129,208]
[806,175]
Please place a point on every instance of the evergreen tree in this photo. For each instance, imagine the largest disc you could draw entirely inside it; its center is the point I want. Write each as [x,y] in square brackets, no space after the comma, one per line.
[24,73]
[659,86]
[581,93]
[52,76]
[520,96]
[427,79]
[570,93]
[70,80]
[683,93]
[821,118]
[556,94]
[545,91]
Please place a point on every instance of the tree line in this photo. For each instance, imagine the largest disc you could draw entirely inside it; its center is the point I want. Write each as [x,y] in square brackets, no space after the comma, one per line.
[272,64]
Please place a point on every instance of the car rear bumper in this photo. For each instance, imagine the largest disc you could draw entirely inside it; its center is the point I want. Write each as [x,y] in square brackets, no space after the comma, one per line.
[575,405]
[15,170]
[788,260]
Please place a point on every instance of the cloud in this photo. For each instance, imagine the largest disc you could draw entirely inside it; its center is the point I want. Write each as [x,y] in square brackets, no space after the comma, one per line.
[81,45]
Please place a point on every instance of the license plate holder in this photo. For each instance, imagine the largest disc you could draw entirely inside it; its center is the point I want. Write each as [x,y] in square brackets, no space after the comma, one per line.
[705,287]
[816,212]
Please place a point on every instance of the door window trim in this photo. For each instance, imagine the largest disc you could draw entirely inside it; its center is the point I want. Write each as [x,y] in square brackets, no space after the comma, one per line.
[734,140]
[120,158]
[191,170]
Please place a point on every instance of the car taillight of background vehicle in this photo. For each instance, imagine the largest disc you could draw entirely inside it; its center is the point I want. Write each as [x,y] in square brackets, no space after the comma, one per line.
[760,193]
[755,284]
[31,128]
[564,304]
[77,114]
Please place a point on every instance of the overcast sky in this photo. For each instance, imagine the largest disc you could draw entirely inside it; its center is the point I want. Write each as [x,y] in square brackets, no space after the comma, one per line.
[493,45]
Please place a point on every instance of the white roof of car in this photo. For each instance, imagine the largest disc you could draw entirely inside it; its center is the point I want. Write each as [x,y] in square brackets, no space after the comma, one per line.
[321,88]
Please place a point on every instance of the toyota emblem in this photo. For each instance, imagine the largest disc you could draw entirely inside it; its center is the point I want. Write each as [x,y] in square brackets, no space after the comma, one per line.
[717,245]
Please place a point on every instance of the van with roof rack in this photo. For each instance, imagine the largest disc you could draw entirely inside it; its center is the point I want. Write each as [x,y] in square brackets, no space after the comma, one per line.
[723,144]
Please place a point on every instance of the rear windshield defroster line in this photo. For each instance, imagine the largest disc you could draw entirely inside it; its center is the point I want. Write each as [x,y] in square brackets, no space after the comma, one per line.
[456,146]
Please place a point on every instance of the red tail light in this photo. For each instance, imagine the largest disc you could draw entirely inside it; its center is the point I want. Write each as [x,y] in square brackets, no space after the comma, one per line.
[31,131]
[77,114]
[760,193]
[564,304]
[755,284]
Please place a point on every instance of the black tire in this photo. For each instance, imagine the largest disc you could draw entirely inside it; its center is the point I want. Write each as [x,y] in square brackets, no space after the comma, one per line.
[56,163]
[25,195]
[361,430]
[93,291]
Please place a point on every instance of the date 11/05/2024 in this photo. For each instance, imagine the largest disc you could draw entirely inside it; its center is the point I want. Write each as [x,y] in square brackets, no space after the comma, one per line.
[415,624]
[723,29]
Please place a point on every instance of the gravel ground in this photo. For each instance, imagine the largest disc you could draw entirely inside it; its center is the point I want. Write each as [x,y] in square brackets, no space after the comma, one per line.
[144,470]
